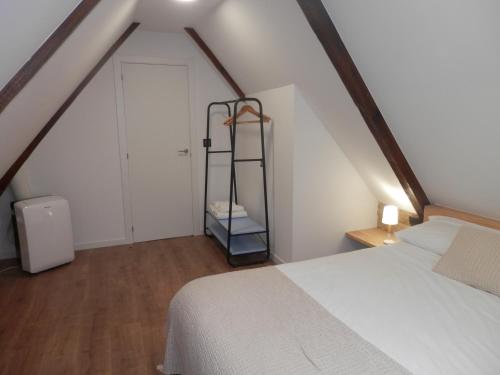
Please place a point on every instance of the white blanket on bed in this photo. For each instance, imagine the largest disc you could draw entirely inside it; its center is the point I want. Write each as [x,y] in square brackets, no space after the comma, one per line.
[389,296]
[258,322]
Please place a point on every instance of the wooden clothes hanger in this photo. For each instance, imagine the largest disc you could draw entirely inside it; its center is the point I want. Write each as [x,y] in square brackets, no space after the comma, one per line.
[247,109]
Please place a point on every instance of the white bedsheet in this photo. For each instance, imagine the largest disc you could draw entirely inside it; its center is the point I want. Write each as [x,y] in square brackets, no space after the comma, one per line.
[390,296]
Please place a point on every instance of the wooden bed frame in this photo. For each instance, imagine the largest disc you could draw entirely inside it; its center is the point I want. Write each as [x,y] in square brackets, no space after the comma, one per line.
[471,218]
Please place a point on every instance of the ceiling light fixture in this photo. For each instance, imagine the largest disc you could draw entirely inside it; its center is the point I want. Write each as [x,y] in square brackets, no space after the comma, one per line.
[185,1]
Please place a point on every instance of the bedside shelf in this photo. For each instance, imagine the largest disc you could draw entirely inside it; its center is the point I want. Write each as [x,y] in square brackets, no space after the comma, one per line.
[369,237]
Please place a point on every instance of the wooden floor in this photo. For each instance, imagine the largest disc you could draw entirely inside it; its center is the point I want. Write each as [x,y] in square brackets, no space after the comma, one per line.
[102,314]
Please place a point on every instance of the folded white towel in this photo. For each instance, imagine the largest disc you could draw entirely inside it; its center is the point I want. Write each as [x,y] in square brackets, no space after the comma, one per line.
[225,215]
[223,206]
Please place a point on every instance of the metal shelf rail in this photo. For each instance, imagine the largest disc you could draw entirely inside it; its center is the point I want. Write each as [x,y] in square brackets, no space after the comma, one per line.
[245,241]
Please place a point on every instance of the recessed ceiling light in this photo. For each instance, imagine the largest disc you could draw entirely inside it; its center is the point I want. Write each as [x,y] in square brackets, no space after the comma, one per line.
[185,1]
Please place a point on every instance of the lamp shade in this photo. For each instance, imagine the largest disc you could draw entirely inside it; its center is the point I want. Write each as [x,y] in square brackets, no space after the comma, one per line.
[390,216]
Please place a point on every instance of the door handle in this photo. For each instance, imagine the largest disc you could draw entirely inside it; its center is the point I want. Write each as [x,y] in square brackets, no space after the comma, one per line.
[184,152]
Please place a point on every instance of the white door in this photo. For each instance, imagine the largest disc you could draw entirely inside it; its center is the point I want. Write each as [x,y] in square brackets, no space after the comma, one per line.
[156,99]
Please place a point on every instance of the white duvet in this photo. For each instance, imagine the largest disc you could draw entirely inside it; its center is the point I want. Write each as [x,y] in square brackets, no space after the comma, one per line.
[390,296]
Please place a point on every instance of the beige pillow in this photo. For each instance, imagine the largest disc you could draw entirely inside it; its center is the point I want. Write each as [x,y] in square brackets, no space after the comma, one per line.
[474,259]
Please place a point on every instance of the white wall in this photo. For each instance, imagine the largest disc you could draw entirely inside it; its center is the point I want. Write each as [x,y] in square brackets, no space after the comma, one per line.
[79,158]
[267,44]
[39,100]
[315,194]
[433,68]
[7,248]
[279,137]
[24,26]
[330,197]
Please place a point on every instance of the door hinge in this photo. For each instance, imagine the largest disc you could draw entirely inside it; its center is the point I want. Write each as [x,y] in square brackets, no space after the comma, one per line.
[121,76]
[132,229]
[127,156]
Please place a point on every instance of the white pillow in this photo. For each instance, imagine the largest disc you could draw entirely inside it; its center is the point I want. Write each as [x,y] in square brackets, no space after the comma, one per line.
[434,235]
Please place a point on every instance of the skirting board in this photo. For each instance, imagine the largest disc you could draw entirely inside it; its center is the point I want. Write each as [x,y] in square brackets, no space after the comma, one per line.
[6,255]
[7,263]
[100,244]
[276,259]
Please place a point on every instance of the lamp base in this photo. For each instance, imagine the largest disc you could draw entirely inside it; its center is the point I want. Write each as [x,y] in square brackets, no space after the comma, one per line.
[390,237]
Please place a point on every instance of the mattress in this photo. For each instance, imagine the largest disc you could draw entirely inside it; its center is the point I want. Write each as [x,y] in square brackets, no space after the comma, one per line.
[424,321]
[385,302]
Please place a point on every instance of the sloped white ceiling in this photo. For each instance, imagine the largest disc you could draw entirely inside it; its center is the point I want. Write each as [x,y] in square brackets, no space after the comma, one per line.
[433,68]
[40,99]
[172,15]
[267,44]
[24,26]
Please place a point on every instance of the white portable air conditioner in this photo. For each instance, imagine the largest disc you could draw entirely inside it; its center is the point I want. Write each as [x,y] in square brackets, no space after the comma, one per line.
[45,233]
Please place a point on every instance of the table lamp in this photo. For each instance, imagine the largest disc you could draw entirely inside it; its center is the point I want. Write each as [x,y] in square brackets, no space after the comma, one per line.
[390,217]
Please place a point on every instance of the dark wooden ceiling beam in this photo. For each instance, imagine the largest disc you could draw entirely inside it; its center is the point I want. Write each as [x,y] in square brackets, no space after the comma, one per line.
[327,33]
[11,172]
[215,61]
[48,48]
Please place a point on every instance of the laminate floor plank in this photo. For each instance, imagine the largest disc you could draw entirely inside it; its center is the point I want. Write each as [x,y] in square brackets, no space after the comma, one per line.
[105,313]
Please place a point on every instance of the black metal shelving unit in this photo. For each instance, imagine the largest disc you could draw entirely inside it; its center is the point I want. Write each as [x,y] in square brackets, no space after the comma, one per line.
[245,241]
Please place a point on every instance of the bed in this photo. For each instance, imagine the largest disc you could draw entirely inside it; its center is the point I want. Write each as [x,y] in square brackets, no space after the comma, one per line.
[374,311]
